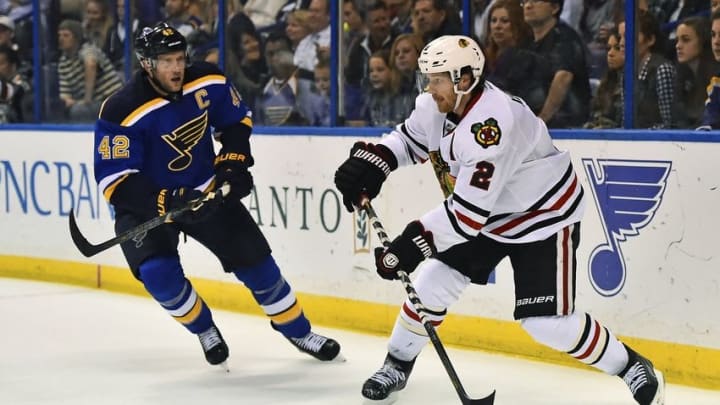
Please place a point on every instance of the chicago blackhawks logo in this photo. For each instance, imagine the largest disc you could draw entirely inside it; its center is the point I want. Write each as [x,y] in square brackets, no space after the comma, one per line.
[487,133]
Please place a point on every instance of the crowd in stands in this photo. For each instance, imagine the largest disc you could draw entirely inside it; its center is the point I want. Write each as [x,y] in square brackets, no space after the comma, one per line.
[564,58]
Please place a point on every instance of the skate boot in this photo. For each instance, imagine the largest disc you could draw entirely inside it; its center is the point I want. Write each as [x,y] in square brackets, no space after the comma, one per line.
[391,377]
[645,382]
[318,346]
[214,346]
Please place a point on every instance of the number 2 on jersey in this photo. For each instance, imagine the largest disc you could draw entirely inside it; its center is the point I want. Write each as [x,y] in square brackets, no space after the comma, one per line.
[483,173]
[118,150]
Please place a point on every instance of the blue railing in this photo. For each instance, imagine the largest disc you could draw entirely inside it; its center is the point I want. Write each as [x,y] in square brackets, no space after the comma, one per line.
[336,77]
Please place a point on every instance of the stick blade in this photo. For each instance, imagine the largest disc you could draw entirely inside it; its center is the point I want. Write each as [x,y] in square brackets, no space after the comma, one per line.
[85,247]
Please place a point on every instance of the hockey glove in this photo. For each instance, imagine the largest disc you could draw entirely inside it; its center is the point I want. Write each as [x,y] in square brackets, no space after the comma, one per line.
[232,168]
[364,172]
[406,252]
[169,200]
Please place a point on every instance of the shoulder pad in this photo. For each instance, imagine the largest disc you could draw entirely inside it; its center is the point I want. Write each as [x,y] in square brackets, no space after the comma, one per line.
[200,69]
[129,98]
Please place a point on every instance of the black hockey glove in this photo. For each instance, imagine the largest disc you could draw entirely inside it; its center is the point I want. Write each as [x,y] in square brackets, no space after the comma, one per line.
[169,200]
[232,168]
[406,252]
[364,172]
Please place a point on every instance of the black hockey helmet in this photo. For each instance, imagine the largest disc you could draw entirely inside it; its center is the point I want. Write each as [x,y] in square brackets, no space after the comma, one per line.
[158,40]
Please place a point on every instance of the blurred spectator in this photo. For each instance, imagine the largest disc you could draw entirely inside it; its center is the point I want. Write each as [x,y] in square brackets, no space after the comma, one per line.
[714,6]
[404,55]
[16,97]
[596,23]
[115,45]
[711,115]
[263,12]
[481,13]
[298,27]
[281,100]
[97,21]
[568,100]
[509,63]
[401,15]
[572,12]
[244,62]
[7,32]
[382,106]
[607,105]
[435,18]
[177,16]
[378,37]
[654,85]
[85,74]
[289,7]
[317,44]
[696,65]
[318,99]
[353,23]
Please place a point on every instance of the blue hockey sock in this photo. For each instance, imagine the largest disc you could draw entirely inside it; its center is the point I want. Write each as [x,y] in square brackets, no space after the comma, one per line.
[275,297]
[164,279]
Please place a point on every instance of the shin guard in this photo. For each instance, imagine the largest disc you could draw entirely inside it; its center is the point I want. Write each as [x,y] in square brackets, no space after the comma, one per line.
[275,297]
[164,279]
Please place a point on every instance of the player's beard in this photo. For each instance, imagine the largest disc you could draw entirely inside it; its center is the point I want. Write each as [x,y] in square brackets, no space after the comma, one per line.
[444,105]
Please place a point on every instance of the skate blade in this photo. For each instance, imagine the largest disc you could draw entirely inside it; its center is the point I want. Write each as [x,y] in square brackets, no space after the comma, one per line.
[659,398]
[224,366]
[339,358]
[387,401]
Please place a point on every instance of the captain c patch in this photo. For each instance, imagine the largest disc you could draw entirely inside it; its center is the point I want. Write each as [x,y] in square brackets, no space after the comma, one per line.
[486,133]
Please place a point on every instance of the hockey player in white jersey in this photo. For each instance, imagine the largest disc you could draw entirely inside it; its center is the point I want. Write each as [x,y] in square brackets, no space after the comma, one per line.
[509,193]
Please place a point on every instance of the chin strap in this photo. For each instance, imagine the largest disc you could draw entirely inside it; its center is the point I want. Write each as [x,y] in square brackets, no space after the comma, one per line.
[461,93]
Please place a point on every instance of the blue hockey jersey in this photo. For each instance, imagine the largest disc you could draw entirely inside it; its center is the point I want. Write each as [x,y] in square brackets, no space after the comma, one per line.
[169,142]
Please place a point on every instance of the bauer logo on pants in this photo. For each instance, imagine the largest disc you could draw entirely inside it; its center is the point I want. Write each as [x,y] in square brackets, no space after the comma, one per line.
[627,194]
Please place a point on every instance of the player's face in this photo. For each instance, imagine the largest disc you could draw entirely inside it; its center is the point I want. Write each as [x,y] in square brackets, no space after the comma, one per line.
[170,71]
[441,87]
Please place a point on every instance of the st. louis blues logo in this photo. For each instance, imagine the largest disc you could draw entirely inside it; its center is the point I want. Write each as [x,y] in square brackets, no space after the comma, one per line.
[627,194]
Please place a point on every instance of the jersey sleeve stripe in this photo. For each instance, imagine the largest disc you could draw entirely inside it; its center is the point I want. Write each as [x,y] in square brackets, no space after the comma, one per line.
[404,130]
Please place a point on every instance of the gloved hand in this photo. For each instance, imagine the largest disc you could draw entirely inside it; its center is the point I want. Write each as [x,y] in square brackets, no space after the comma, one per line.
[169,200]
[364,172]
[406,252]
[232,168]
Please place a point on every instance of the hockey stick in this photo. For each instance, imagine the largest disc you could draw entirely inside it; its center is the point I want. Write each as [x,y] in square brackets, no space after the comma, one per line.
[420,309]
[88,249]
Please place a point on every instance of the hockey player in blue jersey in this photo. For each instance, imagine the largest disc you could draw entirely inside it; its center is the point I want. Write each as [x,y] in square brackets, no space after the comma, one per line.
[154,152]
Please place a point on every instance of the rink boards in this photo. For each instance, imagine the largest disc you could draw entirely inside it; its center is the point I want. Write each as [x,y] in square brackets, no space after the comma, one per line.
[646,265]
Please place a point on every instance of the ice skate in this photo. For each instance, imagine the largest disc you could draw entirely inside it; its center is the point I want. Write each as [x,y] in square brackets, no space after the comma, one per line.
[214,346]
[318,346]
[645,382]
[383,386]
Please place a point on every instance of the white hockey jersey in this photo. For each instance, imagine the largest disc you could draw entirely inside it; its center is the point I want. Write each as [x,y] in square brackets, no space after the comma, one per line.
[510,182]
